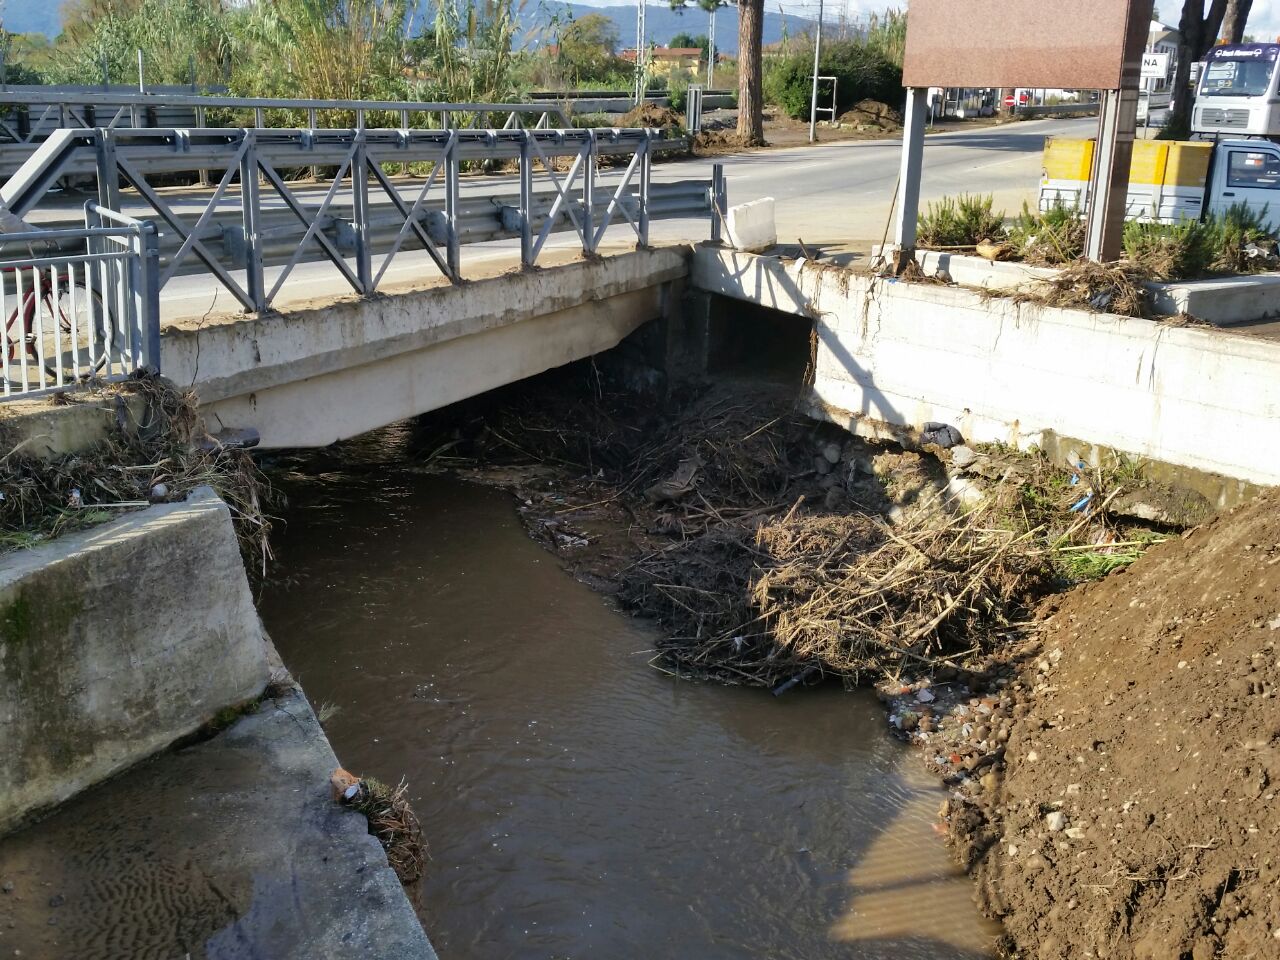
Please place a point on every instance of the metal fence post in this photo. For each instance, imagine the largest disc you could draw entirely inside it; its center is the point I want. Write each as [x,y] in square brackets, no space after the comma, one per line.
[719,202]
[151,272]
[589,195]
[646,170]
[452,174]
[108,178]
[360,213]
[526,200]
[254,281]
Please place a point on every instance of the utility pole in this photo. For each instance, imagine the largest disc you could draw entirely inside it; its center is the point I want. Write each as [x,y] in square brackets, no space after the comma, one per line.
[641,51]
[813,100]
[142,86]
[711,51]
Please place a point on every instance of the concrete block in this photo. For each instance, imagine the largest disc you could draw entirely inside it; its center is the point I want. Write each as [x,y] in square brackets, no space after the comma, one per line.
[751,226]
[116,641]
[1222,302]
[41,428]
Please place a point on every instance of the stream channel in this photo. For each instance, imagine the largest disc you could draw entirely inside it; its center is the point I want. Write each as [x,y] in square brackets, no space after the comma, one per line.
[577,801]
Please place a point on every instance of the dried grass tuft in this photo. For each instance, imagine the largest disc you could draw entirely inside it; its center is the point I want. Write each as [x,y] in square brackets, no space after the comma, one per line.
[395,825]
[1105,288]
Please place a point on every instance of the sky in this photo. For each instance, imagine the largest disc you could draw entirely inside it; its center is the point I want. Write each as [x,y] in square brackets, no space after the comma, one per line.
[1264,22]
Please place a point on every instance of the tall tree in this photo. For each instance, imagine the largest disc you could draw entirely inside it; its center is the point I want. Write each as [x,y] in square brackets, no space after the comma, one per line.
[1199,29]
[750,70]
[587,47]
[1236,17]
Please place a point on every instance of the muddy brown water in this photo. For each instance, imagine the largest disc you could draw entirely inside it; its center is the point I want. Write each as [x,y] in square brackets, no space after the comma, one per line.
[578,802]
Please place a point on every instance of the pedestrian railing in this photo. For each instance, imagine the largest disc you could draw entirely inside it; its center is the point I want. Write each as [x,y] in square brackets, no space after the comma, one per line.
[78,305]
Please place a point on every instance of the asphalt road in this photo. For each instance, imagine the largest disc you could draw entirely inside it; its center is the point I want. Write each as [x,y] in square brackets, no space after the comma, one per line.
[833,195]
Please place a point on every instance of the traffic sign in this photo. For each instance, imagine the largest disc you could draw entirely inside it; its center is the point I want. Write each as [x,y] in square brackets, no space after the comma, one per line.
[1155,66]
[1009,101]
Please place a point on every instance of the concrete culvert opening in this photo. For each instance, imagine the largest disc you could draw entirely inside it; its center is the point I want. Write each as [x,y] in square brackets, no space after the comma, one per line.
[748,340]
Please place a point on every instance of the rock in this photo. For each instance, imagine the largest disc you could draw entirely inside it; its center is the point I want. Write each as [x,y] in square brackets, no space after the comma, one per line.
[1075,833]
[908,721]
[1055,821]
[962,456]
[7,886]
[1032,756]
[1073,789]
[990,781]
[925,695]
[927,725]
[832,453]
[1160,503]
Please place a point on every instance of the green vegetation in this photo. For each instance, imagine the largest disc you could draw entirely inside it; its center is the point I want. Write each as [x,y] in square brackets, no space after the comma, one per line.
[1174,251]
[1236,241]
[1233,242]
[861,69]
[960,222]
[1050,238]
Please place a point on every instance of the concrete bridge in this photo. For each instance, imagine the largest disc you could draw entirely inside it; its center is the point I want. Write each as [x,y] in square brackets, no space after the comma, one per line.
[317,374]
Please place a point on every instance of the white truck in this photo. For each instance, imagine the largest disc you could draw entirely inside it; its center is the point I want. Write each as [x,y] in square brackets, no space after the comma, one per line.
[1239,92]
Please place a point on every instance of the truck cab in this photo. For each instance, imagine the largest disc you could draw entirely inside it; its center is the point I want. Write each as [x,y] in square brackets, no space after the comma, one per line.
[1238,91]
[1246,172]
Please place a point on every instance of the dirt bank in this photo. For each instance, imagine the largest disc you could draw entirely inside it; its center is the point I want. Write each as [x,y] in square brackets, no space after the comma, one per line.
[1137,814]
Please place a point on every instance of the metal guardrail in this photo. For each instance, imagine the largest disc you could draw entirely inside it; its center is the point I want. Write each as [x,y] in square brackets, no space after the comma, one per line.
[255,158]
[36,112]
[79,304]
[1057,109]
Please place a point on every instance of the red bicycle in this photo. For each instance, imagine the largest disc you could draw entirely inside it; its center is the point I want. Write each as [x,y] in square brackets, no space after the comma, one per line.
[56,323]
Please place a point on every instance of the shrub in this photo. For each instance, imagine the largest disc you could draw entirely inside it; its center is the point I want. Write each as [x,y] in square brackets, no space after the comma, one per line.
[861,72]
[1235,232]
[1053,237]
[959,222]
[679,93]
[1171,251]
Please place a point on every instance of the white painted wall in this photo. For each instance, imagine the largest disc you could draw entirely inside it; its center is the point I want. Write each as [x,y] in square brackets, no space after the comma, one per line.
[907,353]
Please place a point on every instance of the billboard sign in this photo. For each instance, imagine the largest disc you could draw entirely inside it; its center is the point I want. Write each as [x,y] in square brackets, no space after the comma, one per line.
[1093,45]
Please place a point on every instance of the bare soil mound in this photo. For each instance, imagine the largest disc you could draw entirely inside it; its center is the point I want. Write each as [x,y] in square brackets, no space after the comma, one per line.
[652,115]
[1137,814]
[873,113]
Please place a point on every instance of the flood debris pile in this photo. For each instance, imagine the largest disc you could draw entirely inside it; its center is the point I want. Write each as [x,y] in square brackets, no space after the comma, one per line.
[391,820]
[156,452]
[769,547]
[841,594]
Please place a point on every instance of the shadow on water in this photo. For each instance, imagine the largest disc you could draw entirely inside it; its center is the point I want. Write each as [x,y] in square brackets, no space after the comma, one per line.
[579,803]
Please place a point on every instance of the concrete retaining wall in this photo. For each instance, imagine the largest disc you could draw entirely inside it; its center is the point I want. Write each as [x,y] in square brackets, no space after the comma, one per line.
[312,376]
[115,642]
[903,354]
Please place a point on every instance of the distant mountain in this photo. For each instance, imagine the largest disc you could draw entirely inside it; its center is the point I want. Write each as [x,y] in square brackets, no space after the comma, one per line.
[661,22]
